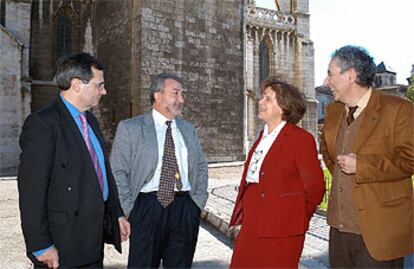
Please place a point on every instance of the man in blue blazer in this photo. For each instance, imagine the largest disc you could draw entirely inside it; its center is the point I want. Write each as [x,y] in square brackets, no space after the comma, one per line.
[161,174]
[68,198]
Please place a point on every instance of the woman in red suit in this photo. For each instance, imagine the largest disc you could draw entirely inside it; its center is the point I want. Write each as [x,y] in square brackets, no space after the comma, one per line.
[281,186]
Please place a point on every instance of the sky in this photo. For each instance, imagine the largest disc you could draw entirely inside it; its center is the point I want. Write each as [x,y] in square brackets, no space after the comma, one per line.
[383,27]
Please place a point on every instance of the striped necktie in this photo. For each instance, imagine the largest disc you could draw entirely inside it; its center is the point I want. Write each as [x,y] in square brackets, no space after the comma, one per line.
[91,150]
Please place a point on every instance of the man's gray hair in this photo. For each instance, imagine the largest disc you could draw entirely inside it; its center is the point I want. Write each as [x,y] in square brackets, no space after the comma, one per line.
[158,83]
[358,58]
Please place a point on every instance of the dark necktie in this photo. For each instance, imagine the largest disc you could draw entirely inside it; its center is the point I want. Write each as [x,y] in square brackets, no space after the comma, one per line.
[350,118]
[170,175]
[91,150]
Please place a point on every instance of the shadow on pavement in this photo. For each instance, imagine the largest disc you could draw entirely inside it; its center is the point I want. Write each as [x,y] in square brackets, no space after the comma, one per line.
[216,264]
[213,231]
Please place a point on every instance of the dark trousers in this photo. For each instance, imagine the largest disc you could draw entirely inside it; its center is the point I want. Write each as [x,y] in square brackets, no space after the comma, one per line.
[348,250]
[168,234]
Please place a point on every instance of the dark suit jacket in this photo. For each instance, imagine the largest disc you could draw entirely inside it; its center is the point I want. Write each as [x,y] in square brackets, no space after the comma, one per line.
[61,202]
[291,184]
[382,187]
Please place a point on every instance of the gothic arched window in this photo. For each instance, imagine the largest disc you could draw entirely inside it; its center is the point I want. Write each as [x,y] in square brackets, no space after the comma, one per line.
[2,12]
[64,36]
[263,61]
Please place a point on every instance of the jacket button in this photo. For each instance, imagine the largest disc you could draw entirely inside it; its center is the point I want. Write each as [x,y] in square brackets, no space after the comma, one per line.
[63,165]
[262,194]
[339,189]
[69,189]
[76,212]
[262,173]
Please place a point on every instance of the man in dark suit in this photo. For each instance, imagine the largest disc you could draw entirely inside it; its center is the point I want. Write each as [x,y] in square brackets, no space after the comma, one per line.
[161,174]
[68,198]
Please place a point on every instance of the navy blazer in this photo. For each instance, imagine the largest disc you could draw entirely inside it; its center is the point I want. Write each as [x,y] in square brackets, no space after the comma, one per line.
[60,200]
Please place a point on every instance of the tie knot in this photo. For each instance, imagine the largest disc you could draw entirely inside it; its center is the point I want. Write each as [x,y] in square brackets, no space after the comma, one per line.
[168,122]
[352,109]
[350,118]
[83,119]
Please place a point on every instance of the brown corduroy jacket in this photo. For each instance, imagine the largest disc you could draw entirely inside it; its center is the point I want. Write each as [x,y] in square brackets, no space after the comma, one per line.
[382,186]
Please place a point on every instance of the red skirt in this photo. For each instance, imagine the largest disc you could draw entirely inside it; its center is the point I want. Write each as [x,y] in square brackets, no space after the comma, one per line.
[251,251]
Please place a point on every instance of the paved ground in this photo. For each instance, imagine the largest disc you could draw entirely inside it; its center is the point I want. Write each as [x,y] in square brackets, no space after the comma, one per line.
[213,248]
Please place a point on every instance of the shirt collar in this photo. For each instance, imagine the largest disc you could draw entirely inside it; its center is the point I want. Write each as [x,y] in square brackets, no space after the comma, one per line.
[160,119]
[74,112]
[275,131]
[362,103]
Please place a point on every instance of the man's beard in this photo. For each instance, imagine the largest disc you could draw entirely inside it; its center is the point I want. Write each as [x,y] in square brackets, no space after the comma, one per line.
[176,110]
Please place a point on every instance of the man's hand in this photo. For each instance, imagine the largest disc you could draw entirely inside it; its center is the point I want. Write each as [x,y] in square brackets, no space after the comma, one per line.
[347,163]
[125,228]
[50,257]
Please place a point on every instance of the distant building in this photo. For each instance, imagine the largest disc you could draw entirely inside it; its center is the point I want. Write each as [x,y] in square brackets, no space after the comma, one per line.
[385,81]
[324,96]
[412,74]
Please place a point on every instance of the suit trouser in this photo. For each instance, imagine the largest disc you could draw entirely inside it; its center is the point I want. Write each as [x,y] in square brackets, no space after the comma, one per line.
[348,250]
[168,234]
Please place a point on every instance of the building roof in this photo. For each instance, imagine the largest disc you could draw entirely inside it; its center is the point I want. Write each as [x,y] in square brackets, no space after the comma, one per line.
[382,68]
[323,90]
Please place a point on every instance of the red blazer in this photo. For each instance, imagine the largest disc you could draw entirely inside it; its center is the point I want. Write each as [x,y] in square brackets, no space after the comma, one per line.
[291,184]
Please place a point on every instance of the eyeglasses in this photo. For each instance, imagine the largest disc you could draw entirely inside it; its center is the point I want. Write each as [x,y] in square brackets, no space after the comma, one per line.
[100,86]
[257,155]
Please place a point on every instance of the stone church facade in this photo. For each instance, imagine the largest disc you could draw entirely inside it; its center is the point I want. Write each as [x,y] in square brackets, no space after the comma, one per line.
[278,44]
[213,44]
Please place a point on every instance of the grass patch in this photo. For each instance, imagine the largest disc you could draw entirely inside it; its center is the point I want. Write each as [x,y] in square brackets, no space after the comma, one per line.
[328,182]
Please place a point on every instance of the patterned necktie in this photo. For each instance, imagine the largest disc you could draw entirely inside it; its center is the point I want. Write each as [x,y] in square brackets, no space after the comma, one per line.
[350,118]
[170,175]
[91,150]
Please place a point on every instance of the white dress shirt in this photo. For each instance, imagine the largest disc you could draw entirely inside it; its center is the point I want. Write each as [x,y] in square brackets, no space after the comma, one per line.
[261,151]
[181,153]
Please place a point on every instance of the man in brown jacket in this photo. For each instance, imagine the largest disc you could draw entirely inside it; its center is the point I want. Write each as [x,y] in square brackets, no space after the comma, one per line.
[367,144]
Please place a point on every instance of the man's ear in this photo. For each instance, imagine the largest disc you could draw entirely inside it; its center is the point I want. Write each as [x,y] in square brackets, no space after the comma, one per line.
[76,84]
[157,96]
[352,75]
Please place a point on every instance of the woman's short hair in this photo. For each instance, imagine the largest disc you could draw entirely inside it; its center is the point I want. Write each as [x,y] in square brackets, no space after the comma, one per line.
[289,98]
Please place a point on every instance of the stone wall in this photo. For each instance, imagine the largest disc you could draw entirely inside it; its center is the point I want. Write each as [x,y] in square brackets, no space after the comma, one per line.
[137,39]
[10,101]
[202,41]
[14,81]
[114,43]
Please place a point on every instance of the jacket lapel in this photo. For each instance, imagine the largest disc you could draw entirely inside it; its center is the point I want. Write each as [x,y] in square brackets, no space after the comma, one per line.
[187,137]
[334,117]
[70,131]
[369,121]
[150,138]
